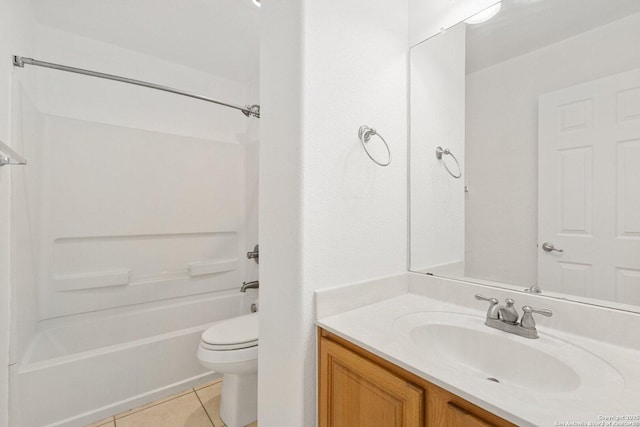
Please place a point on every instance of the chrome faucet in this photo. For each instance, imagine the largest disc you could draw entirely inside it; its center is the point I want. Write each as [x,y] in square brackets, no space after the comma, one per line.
[249,285]
[508,313]
[505,317]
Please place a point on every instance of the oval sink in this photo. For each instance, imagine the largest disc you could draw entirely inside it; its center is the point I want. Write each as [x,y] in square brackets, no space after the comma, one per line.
[464,344]
[491,356]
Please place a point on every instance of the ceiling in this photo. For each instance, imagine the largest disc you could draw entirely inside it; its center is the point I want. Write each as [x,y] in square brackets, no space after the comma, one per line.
[526,25]
[220,37]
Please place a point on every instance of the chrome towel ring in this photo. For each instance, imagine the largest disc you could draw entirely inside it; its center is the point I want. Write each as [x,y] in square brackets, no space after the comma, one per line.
[365,133]
[439,152]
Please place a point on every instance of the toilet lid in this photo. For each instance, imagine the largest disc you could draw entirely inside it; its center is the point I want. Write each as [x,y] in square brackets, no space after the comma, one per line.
[234,333]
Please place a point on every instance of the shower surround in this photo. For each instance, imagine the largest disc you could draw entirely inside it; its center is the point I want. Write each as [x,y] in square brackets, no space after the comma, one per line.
[129,232]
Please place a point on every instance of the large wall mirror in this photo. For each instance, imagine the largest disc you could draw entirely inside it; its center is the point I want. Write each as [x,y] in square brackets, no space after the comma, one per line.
[525,150]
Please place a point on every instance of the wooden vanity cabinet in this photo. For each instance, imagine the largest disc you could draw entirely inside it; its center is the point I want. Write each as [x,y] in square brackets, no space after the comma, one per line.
[359,389]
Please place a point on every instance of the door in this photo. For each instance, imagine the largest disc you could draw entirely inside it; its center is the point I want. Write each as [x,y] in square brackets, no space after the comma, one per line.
[589,189]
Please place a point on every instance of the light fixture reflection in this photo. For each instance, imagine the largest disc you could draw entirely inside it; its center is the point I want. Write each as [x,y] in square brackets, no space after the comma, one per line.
[256,2]
[485,15]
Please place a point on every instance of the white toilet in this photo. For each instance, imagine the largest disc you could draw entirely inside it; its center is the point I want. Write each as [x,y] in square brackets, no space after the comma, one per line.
[230,347]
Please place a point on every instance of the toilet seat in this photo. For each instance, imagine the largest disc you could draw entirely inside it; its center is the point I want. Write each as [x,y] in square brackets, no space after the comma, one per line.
[226,347]
[232,334]
[223,359]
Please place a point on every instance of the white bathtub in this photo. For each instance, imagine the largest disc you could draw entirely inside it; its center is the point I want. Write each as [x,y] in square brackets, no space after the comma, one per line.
[82,369]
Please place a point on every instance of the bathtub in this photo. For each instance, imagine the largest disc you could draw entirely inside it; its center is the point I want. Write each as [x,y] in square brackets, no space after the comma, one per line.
[87,367]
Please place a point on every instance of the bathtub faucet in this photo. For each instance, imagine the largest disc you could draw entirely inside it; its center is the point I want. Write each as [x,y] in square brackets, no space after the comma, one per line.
[249,285]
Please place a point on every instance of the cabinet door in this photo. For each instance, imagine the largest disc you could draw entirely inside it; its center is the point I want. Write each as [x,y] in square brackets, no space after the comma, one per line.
[458,416]
[448,410]
[355,392]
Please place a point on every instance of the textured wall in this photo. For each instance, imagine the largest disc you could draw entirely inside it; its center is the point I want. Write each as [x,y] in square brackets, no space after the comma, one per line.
[329,216]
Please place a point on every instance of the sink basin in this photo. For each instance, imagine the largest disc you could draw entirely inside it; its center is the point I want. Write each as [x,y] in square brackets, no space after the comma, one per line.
[463,344]
[493,357]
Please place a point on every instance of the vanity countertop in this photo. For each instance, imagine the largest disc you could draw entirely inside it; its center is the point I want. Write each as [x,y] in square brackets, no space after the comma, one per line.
[614,395]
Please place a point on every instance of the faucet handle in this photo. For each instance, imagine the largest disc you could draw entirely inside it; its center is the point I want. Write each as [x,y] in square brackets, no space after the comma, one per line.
[491,300]
[492,312]
[528,322]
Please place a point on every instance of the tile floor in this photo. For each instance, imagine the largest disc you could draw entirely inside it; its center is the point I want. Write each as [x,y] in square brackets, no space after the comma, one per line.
[197,407]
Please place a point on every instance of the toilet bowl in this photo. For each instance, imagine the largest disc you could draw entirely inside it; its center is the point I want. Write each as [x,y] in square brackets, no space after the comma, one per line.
[230,347]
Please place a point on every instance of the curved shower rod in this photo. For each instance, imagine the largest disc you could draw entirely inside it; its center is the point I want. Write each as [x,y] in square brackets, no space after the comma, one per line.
[247,110]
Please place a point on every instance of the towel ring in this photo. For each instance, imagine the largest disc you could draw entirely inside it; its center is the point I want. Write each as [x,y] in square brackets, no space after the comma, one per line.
[439,152]
[365,133]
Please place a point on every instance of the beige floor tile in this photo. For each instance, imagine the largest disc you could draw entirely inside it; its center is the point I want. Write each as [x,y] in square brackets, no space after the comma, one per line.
[254,424]
[216,381]
[210,398]
[107,422]
[183,411]
[154,403]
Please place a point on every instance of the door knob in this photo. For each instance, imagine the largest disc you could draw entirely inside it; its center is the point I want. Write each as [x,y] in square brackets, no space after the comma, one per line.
[548,247]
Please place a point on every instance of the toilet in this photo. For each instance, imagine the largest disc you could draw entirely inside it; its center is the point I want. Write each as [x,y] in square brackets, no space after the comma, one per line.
[230,347]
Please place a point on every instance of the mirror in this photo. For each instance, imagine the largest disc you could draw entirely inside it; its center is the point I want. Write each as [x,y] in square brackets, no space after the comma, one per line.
[539,110]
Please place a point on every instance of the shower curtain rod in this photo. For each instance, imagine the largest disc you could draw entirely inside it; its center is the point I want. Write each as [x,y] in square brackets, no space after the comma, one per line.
[247,110]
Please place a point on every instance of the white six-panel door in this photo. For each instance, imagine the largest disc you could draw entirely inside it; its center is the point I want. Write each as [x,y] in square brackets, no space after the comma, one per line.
[589,189]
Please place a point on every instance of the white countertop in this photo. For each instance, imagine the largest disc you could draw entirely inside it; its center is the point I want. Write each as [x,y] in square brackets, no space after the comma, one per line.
[612,392]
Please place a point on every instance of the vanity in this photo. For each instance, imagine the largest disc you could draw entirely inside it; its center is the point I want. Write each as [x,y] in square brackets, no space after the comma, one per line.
[358,388]
[414,350]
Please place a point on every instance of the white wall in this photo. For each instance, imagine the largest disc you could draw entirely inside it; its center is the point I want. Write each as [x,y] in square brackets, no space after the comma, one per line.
[26,215]
[127,212]
[137,165]
[92,99]
[139,171]
[502,143]
[284,325]
[252,165]
[437,119]
[328,214]
[16,18]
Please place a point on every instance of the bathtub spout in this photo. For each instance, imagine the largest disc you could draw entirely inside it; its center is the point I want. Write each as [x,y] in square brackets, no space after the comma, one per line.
[249,285]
